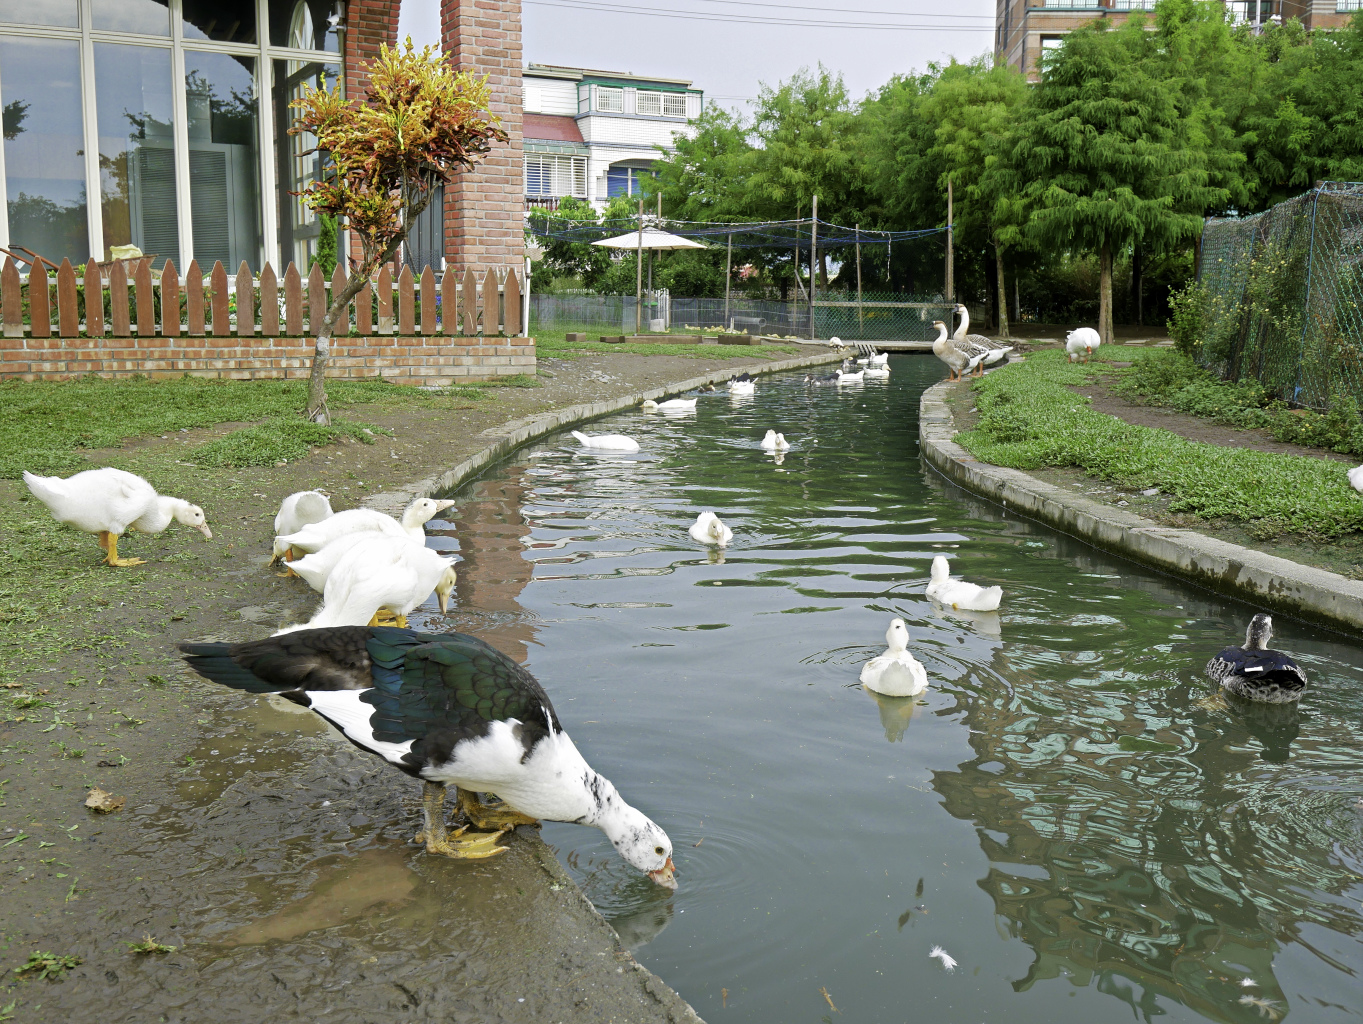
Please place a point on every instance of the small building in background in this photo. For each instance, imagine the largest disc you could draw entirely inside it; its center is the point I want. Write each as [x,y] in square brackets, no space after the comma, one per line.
[592,134]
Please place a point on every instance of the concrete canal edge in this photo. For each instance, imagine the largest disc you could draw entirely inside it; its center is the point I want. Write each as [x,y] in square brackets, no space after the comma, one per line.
[502,441]
[1278,584]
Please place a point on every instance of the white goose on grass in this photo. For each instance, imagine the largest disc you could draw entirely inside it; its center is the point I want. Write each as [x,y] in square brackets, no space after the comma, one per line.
[896,673]
[382,572]
[316,536]
[606,442]
[1082,340]
[993,351]
[301,509]
[109,502]
[959,593]
[1356,478]
[708,529]
[774,442]
[671,405]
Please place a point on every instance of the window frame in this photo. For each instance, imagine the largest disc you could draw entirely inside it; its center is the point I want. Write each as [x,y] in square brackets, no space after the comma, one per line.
[616,92]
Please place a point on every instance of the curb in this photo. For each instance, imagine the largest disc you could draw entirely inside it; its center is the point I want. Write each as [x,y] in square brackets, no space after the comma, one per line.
[1252,576]
[505,438]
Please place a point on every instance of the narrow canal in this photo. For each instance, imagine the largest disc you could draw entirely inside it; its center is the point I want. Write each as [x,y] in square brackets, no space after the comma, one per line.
[1069,811]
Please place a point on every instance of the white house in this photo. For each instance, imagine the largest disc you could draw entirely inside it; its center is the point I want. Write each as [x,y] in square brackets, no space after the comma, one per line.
[591,134]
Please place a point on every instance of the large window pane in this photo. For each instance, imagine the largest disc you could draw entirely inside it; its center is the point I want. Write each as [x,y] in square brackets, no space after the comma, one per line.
[44,147]
[296,160]
[306,24]
[224,192]
[227,21]
[136,149]
[146,17]
[39,12]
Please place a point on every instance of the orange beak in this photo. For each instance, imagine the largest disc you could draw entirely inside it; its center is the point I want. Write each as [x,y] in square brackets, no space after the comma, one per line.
[665,875]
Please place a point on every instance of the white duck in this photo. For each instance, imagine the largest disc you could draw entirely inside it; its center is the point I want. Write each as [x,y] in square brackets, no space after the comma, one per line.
[743,384]
[846,375]
[109,502]
[607,442]
[316,536]
[874,370]
[299,509]
[1356,478]
[958,593]
[384,571]
[879,359]
[993,352]
[774,442]
[1082,340]
[896,673]
[707,529]
[316,568]
[671,405]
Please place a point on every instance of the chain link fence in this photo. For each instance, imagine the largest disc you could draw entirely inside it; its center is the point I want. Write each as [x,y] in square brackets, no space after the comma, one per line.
[1283,294]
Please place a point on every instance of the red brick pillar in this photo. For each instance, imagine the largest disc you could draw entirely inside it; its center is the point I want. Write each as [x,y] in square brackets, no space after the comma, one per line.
[484,207]
[368,24]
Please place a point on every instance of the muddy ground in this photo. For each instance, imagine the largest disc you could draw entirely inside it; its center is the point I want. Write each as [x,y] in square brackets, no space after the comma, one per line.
[270,853]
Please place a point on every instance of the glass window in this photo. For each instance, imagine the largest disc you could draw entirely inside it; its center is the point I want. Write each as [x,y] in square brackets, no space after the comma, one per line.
[44,147]
[610,100]
[537,181]
[136,149]
[648,103]
[306,24]
[220,95]
[296,160]
[624,181]
[147,17]
[674,104]
[39,12]
[227,21]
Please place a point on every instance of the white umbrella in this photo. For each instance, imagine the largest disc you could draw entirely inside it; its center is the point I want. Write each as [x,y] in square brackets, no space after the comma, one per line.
[639,240]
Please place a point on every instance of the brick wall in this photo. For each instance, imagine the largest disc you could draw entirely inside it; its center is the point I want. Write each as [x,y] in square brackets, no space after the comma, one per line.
[368,24]
[430,362]
[485,207]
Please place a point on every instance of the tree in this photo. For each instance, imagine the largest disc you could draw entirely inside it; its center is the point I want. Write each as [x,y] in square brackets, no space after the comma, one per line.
[1106,155]
[420,122]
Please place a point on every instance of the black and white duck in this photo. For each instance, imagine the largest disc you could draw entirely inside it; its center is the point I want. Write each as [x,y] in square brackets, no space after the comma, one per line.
[450,710]
[1255,672]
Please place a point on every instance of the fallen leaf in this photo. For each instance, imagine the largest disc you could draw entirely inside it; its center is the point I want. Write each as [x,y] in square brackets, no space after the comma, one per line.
[824,991]
[103,801]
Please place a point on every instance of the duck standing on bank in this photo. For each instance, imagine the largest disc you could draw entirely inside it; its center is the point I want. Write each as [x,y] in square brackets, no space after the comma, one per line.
[1255,672]
[109,502]
[450,710]
[316,536]
[896,673]
[958,593]
[1082,339]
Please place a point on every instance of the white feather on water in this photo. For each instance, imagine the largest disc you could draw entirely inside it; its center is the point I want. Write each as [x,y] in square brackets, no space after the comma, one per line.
[941,954]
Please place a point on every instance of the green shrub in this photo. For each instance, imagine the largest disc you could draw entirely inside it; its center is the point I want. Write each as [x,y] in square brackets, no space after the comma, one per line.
[276,440]
[1187,316]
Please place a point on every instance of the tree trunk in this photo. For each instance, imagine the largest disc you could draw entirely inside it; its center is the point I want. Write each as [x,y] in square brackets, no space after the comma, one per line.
[1137,283]
[1002,300]
[1105,294]
[317,410]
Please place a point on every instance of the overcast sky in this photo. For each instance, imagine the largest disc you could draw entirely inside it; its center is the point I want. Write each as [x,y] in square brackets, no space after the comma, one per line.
[727,48]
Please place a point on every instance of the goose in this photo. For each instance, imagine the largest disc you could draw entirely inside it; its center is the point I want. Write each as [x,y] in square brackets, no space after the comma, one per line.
[607,442]
[1356,478]
[1082,339]
[774,442]
[383,571]
[958,360]
[316,536]
[110,502]
[1254,671]
[994,352]
[743,384]
[958,593]
[707,529]
[301,509]
[896,673]
[452,711]
[671,405]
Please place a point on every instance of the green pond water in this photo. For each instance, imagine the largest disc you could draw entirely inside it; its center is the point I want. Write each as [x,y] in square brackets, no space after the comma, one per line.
[1069,811]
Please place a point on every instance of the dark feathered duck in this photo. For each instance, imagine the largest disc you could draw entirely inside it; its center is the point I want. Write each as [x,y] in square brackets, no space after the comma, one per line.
[450,710]
[1255,672]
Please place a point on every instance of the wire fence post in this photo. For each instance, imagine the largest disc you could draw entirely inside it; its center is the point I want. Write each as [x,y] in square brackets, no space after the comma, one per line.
[813,264]
[861,318]
[1306,300]
[728,275]
[951,282]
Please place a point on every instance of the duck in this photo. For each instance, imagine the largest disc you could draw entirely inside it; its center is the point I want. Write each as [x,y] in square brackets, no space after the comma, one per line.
[110,502]
[671,405]
[774,442]
[896,673]
[845,374]
[381,572]
[877,371]
[315,568]
[607,442]
[452,711]
[1082,339]
[743,384]
[1356,478]
[1255,672]
[831,378]
[878,359]
[708,529]
[993,352]
[958,593]
[301,509]
[316,536]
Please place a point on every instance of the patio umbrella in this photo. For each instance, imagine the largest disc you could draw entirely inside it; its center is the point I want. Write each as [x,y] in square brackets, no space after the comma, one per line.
[646,238]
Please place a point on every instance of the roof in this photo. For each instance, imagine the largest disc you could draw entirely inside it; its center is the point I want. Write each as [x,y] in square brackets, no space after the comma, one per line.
[552,127]
[559,71]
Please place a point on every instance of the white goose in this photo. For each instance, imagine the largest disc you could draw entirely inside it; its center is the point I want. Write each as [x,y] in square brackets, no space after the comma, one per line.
[607,442]
[316,536]
[993,352]
[896,673]
[110,502]
[707,529]
[774,442]
[299,510]
[671,405]
[958,593]
[383,571]
[1082,340]
[1356,478]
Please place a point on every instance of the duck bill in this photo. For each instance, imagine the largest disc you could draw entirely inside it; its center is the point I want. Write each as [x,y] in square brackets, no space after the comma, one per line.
[443,504]
[443,597]
[208,534]
[665,875]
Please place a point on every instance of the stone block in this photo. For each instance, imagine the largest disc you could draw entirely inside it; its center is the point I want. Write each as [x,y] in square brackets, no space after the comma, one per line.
[613,339]
[739,339]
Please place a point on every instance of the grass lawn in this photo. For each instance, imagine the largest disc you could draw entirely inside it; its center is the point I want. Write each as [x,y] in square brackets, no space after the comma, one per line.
[1029,419]
[550,344]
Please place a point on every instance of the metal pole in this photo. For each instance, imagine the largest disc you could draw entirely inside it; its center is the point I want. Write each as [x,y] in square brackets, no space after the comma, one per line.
[951,275]
[861,323]
[639,275]
[813,263]
[525,300]
[728,271]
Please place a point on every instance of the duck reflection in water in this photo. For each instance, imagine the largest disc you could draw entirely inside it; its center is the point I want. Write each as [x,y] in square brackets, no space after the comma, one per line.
[1276,726]
[895,713]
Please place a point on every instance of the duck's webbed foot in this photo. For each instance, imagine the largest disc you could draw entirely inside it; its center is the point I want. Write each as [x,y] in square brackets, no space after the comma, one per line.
[498,816]
[386,617]
[438,839]
[109,542]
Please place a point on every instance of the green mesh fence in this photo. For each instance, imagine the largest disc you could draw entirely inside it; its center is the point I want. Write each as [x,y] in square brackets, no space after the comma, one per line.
[1284,294]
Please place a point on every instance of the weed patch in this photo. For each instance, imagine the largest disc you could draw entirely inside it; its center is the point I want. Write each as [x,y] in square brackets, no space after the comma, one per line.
[274,441]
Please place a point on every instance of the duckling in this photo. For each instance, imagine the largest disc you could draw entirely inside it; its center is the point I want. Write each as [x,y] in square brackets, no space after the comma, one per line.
[774,442]
[708,529]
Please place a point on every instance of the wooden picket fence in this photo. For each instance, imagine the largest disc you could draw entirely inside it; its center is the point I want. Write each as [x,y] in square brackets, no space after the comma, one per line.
[167,305]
